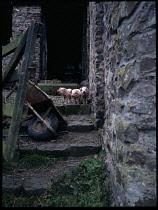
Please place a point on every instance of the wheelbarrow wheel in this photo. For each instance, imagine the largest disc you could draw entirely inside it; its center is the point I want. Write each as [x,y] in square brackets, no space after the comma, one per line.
[38,131]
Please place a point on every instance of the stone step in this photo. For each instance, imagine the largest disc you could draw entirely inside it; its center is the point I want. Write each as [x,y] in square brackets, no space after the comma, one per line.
[71,108]
[72,147]
[74,109]
[37,181]
[51,88]
[71,144]
[80,123]
[75,123]
[78,142]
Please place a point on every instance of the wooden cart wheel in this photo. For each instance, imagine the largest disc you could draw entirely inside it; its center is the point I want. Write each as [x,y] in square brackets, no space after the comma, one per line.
[38,130]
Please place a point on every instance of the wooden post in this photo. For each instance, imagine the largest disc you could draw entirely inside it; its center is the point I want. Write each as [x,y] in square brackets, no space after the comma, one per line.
[21,93]
[43,71]
[9,48]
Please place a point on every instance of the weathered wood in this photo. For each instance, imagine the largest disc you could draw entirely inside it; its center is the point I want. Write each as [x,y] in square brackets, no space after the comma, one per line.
[16,74]
[7,110]
[9,48]
[10,93]
[44,50]
[14,60]
[46,124]
[21,92]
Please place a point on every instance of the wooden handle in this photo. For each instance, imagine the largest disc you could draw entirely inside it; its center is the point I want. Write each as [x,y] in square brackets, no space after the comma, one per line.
[47,125]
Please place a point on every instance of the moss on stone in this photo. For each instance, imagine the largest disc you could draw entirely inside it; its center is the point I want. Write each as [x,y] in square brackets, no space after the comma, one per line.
[119,106]
[130,104]
[113,18]
[124,77]
[146,122]
[120,75]
[126,132]
[110,121]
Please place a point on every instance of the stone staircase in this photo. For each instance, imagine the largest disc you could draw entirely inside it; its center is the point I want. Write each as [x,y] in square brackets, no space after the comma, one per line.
[75,142]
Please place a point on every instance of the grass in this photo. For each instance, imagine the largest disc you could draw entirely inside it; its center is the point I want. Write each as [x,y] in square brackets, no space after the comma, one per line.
[92,118]
[35,160]
[29,162]
[86,186]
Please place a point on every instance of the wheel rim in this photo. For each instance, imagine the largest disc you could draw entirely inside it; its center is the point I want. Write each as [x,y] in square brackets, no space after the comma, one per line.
[39,126]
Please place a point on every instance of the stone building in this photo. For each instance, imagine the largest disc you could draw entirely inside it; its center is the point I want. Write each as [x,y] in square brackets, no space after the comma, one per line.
[115,45]
[122,83]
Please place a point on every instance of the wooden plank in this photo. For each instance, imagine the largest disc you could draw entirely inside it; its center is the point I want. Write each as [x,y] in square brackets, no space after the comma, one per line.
[4,144]
[16,74]
[5,131]
[21,93]
[9,48]
[7,110]
[44,51]
[14,60]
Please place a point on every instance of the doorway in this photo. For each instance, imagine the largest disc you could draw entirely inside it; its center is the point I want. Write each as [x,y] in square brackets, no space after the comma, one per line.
[6,24]
[64,25]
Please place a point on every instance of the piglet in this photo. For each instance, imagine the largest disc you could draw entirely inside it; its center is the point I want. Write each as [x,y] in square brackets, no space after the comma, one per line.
[84,94]
[66,93]
[76,94]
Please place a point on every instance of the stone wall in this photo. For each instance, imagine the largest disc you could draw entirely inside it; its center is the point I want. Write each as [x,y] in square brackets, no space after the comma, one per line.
[122,83]
[22,17]
[96,60]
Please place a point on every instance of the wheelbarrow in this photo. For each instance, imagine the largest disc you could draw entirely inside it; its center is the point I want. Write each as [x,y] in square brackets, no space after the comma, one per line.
[44,123]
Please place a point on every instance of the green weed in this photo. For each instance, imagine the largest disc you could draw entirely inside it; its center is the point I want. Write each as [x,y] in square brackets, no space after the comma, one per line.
[86,186]
[28,162]
[35,160]
[10,200]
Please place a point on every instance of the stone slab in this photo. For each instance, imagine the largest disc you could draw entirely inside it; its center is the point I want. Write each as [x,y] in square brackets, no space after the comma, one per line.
[76,126]
[51,88]
[36,185]
[66,145]
[83,150]
[36,182]
[55,150]
[74,109]
[12,184]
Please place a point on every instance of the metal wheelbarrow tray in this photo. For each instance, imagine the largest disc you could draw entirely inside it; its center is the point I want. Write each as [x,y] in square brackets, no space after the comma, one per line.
[47,117]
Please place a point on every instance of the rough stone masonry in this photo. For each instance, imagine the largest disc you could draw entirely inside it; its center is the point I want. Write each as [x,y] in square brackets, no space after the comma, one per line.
[122,82]
[22,17]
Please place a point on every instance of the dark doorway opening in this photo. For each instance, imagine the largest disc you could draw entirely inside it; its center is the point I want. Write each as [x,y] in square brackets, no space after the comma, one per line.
[6,24]
[64,24]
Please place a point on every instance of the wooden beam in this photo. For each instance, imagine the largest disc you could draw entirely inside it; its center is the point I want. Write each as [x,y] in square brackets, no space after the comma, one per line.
[44,51]
[9,48]
[7,110]
[14,60]
[16,74]
[21,93]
